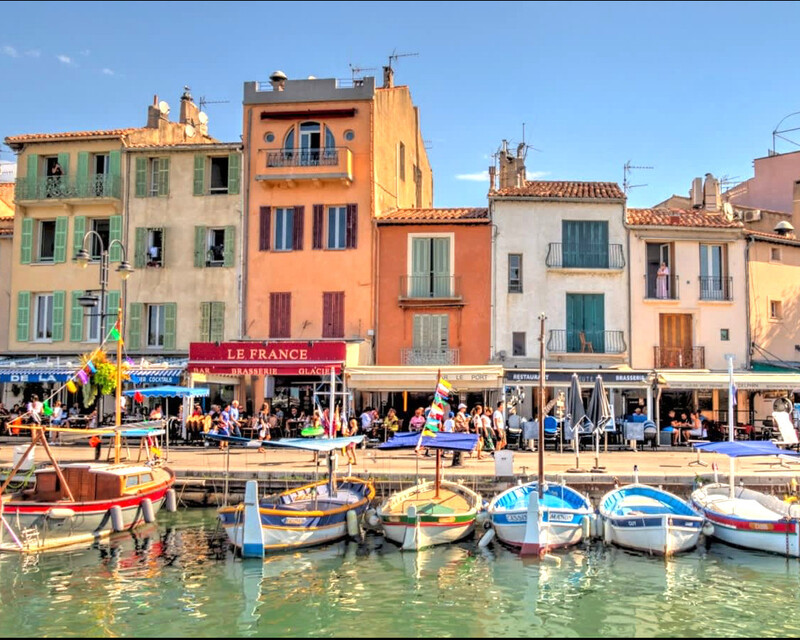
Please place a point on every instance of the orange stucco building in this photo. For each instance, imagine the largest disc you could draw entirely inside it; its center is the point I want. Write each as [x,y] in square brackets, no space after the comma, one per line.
[434,268]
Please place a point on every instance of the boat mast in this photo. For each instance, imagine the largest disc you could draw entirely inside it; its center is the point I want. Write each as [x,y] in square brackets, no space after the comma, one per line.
[332,432]
[118,411]
[542,318]
[731,391]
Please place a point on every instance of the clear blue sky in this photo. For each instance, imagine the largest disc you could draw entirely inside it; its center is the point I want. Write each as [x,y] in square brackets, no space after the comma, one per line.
[685,87]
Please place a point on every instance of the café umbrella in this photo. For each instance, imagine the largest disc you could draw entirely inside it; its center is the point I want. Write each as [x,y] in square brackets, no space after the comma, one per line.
[599,414]
[576,414]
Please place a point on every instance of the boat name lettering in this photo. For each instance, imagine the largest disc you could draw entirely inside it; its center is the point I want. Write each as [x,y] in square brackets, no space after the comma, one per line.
[517,517]
[256,353]
[294,521]
[560,517]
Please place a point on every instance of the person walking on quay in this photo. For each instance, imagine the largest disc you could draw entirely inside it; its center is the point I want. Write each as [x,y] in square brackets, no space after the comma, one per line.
[477,428]
[498,423]
[488,431]
[460,425]
[351,429]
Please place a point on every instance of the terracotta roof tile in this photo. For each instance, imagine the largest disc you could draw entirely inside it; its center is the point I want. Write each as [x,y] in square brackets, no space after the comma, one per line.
[460,214]
[678,218]
[36,137]
[563,189]
[772,236]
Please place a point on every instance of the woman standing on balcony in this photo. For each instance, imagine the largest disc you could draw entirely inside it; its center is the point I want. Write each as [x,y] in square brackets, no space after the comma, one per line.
[662,281]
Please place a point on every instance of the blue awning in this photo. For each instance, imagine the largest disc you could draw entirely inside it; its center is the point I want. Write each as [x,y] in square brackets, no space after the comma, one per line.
[156,376]
[34,374]
[170,392]
[442,440]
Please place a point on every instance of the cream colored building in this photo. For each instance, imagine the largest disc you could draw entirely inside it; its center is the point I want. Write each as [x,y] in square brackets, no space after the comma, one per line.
[6,250]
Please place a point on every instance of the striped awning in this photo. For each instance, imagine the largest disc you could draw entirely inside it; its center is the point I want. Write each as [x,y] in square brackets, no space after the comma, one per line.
[139,375]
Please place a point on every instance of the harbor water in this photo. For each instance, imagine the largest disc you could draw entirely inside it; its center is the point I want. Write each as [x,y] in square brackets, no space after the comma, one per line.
[178,578]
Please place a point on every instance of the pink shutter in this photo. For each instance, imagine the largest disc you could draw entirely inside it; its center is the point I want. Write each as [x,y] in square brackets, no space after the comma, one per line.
[333,314]
[319,225]
[299,227]
[263,229]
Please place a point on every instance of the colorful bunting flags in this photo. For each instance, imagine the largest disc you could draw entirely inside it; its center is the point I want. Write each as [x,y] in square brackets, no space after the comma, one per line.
[48,410]
[72,387]
[82,377]
[91,367]
[138,396]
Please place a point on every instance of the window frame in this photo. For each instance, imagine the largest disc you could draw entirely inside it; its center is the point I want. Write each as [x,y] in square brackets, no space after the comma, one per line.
[216,261]
[773,252]
[401,161]
[96,257]
[151,189]
[211,190]
[149,261]
[48,298]
[161,313]
[283,213]
[90,321]
[524,349]
[40,236]
[775,310]
[340,212]
[515,285]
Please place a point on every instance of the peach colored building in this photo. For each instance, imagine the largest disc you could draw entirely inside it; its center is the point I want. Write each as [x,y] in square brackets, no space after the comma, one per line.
[434,270]
[6,236]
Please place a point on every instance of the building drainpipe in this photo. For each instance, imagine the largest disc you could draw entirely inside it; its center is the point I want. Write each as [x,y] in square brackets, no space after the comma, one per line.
[630,291]
[748,353]
[245,225]
[492,284]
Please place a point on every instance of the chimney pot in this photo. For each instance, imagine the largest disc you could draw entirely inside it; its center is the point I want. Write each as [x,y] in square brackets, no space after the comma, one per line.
[388,77]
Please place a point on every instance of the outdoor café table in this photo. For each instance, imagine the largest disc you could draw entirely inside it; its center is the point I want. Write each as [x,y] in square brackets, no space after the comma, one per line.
[741,432]
[293,427]
[79,422]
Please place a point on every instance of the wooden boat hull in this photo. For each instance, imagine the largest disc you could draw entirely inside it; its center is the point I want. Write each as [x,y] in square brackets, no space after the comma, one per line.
[420,526]
[751,520]
[563,520]
[651,520]
[302,517]
[43,526]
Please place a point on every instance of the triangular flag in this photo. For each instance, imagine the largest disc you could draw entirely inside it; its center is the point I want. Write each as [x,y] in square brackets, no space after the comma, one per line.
[138,396]
[48,410]
[71,386]
[115,332]
[444,388]
[428,432]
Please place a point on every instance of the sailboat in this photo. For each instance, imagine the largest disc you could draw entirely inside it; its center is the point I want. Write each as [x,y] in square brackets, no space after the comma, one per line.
[537,517]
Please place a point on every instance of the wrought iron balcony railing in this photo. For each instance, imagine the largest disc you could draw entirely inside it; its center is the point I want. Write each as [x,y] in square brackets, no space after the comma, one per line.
[430,287]
[97,185]
[585,256]
[661,289]
[679,358]
[602,342]
[304,157]
[716,288]
[429,356]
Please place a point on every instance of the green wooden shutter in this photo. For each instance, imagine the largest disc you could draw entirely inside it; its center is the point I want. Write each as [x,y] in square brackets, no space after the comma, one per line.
[59,299]
[163,176]
[574,321]
[199,175]
[418,331]
[570,243]
[441,267]
[83,183]
[170,324]
[230,248]
[63,160]
[594,321]
[199,246]
[441,333]
[234,173]
[420,267]
[141,177]
[205,321]
[60,254]
[115,163]
[163,247]
[135,312]
[217,321]
[23,316]
[115,233]
[140,248]
[26,245]
[32,177]
[78,231]
[76,318]
[112,306]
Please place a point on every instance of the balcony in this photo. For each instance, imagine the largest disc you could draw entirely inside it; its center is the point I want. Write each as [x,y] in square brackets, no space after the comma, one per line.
[430,290]
[597,342]
[289,166]
[413,357]
[584,256]
[654,290]
[716,288]
[95,186]
[679,357]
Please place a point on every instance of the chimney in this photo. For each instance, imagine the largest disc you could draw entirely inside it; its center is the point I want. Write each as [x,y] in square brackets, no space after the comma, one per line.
[153,114]
[388,77]
[189,111]
[696,193]
[712,200]
[512,168]
[278,80]
[492,175]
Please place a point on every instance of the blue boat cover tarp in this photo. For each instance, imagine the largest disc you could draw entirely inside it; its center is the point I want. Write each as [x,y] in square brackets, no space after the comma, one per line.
[741,449]
[169,392]
[309,444]
[442,440]
[135,433]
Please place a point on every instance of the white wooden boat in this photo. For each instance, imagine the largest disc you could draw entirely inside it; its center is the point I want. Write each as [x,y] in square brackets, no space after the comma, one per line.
[648,519]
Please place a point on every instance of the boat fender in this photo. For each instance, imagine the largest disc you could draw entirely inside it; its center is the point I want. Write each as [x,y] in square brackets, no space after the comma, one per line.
[597,531]
[482,517]
[172,501]
[708,529]
[606,531]
[586,527]
[372,518]
[353,530]
[60,513]
[117,521]
[148,513]
[486,538]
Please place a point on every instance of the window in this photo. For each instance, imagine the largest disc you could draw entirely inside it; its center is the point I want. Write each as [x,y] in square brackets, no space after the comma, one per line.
[585,244]
[333,314]
[775,254]
[47,240]
[102,164]
[349,135]
[43,331]
[337,219]
[269,137]
[155,247]
[102,226]
[156,317]
[152,177]
[431,340]
[714,285]
[775,310]
[219,175]
[100,184]
[212,323]
[430,268]
[585,323]
[401,161]
[515,273]
[284,224]
[724,335]
[280,315]
[215,249]
[310,143]
[518,343]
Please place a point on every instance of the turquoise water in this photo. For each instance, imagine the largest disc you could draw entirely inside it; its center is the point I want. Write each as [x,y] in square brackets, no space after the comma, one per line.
[179,579]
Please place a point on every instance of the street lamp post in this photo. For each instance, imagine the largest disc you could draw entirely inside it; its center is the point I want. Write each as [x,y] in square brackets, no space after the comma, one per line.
[88,300]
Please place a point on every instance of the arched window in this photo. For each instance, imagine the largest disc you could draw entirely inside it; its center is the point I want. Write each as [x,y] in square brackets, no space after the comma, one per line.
[285,157]
[288,143]
[310,143]
[329,155]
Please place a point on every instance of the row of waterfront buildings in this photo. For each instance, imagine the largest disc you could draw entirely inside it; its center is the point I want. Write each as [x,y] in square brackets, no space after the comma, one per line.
[312,244]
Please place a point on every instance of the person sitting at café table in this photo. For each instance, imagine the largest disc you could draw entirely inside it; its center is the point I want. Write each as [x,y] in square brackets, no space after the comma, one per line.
[698,430]
[417,420]
[156,414]
[638,416]
[391,422]
[194,423]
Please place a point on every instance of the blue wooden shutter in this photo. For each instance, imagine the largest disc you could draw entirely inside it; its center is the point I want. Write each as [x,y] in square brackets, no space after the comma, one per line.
[205,321]
[78,231]
[83,183]
[115,233]
[570,243]
[234,173]
[199,175]
[59,300]
[441,267]
[32,178]
[163,176]
[420,267]
[75,318]
[594,320]
[23,316]
[63,160]
[574,322]
[60,253]
[170,325]
[26,244]
[135,312]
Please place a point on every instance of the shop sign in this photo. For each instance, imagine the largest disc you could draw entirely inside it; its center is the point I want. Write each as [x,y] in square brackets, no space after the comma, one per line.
[266,359]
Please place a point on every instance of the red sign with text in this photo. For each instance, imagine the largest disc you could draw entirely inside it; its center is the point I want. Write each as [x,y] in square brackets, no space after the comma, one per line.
[266,359]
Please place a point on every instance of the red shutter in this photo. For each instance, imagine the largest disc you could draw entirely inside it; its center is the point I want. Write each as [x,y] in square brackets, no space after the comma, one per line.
[319,225]
[264,229]
[351,235]
[280,315]
[333,314]
[299,226]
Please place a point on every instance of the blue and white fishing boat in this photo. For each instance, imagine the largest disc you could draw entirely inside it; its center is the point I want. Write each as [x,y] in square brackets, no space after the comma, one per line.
[317,513]
[648,519]
[560,518]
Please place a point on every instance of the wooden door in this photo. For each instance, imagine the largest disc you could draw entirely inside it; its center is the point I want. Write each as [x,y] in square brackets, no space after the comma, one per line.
[676,350]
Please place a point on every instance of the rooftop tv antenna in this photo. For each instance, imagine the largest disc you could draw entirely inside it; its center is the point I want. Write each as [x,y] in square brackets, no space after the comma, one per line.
[777,131]
[394,56]
[626,172]
[203,102]
[356,71]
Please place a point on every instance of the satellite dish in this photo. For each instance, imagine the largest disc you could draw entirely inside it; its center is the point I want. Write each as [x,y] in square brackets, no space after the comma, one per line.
[189,129]
[203,117]
[163,107]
